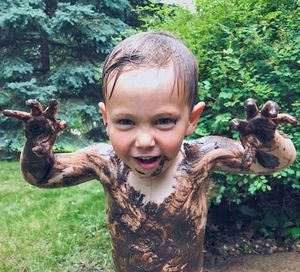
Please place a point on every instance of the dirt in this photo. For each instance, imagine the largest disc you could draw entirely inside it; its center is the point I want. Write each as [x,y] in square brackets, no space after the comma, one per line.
[278,262]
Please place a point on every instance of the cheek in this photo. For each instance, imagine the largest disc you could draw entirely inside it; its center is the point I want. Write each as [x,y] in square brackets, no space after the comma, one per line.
[120,143]
[171,144]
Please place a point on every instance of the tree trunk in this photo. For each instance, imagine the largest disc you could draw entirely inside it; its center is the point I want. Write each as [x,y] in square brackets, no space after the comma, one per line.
[44,50]
[50,7]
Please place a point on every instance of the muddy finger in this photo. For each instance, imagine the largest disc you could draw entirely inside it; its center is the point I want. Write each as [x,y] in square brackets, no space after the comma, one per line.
[284,118]
[61,125]
[249,156]
[239,125]
[41,150]
[21,115]
[52,108]
[270,109]
[251,108]
[44,148]
[35,106]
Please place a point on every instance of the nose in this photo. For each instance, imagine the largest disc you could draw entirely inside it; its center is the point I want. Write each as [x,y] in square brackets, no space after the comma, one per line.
[145,139]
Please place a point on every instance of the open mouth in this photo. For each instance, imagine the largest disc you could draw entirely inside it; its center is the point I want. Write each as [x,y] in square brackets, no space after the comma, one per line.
[148,162]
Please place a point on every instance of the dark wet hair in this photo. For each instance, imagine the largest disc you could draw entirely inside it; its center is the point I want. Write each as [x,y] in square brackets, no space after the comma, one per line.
[154,49]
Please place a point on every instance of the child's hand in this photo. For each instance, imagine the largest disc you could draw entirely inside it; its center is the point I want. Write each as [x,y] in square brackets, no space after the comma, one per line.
[41,127]
[258,130]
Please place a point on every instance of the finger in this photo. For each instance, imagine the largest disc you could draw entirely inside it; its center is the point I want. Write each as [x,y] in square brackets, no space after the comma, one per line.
[270,109]
[45,147]
[239,125]
[283,118]
[38,150]
[61,125]
[250,108]
[52,108]
[36,107]
[251,144]
[249,156]
[21,115]
[41,150]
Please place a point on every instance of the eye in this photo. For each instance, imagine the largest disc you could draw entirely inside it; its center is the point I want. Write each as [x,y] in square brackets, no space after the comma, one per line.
[125,122]
[165,122]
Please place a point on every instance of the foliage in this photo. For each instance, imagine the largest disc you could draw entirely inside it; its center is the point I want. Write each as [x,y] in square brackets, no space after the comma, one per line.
[245,49]
[55,49]
[275,217]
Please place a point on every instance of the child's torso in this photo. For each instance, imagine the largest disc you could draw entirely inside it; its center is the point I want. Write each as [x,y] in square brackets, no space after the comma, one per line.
[163,233]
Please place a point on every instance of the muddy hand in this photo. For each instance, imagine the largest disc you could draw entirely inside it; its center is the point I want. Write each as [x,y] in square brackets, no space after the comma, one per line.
[258,130]
[41,127]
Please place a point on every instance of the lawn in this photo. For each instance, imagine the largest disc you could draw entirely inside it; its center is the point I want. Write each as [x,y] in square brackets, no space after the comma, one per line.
[54,229]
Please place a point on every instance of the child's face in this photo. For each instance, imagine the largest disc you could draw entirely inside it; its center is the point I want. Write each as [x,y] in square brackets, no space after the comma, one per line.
[146,120]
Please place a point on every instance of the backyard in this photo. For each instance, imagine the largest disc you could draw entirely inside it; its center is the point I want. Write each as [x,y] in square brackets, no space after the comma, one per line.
[56,49]
[65,230]
[51,230]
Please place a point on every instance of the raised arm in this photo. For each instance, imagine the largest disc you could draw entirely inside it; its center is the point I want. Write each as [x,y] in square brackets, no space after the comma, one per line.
[262,148]
[42,168]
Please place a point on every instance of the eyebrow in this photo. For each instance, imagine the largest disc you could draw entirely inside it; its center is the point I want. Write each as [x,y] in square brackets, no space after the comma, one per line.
[123,114]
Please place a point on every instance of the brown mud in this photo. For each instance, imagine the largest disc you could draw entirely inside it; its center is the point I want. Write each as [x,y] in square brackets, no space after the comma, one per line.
[278,262]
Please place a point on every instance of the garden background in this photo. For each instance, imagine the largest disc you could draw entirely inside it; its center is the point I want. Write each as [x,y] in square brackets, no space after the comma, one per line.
[55,49]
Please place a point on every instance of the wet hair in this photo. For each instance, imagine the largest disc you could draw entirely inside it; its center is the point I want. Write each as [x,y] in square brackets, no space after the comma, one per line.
[154,49]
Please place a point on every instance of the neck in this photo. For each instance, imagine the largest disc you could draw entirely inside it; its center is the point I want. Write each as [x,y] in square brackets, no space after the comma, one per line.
[157,189]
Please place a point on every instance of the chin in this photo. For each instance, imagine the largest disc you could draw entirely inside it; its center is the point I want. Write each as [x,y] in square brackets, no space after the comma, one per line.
[163,165]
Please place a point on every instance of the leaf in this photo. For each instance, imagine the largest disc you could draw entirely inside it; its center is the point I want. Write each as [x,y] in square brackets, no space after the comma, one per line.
[295,232]
[226,95]
[270,221]
[246,210]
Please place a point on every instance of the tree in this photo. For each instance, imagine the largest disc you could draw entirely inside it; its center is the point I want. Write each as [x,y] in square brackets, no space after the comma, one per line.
[54,49]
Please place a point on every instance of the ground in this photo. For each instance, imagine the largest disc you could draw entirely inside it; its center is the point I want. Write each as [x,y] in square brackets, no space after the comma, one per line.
[65,230]
[278,262]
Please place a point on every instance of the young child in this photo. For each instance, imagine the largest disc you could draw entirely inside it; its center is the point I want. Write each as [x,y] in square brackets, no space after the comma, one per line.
[155,182]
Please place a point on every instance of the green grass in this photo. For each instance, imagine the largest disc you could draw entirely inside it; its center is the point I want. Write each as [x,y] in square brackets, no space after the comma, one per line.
[51,230]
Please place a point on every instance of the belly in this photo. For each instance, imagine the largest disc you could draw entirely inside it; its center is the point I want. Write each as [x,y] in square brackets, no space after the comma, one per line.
[157,248]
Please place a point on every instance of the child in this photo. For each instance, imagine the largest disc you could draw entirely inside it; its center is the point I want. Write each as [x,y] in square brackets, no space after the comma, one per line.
[155,182]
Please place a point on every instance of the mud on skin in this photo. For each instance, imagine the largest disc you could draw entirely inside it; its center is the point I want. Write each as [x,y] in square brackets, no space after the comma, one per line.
[149,236]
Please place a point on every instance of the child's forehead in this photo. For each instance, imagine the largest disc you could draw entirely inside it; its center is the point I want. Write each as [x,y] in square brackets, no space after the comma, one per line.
[148,78]
[149,75]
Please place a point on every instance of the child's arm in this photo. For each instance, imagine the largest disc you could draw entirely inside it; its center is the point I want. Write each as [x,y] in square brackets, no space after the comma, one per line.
[262,148]
[42,168]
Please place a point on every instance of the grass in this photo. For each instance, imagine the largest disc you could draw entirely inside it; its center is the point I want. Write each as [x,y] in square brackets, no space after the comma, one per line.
[51,230]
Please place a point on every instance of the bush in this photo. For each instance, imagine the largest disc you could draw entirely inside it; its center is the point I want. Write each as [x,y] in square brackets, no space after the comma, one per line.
[245,49]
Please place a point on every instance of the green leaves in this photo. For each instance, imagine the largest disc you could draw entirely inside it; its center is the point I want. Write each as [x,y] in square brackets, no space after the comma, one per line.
[84,27]
[21,23]
[14,68]
[259,183]
[55,49]
[245,49]
[28,89]
[74,76]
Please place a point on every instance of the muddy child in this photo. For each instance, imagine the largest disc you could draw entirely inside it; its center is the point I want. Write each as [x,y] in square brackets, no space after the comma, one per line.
[155,181]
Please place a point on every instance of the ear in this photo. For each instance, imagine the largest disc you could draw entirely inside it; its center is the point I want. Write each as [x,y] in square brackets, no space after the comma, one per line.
[194,117]
[102,108]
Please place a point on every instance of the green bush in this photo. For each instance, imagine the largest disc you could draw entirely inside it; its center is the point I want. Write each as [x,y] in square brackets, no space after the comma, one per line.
[245,49]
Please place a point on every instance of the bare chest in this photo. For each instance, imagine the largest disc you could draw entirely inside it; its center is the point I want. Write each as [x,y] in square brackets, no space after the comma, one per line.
[159,228]
[154,191]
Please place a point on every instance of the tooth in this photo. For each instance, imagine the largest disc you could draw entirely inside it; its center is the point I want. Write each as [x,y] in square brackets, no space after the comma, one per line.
[147,159]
